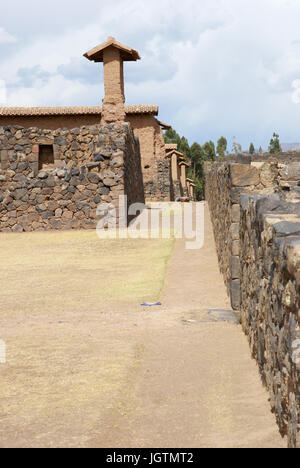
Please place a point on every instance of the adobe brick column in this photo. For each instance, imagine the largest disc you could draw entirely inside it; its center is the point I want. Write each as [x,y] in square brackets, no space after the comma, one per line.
[183,165]
[175,158]
[113,54]
[191,188]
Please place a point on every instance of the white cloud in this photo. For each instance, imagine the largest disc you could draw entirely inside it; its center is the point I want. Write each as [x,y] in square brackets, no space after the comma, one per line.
[3,93]
[215,67]
[5,37]
[296,92]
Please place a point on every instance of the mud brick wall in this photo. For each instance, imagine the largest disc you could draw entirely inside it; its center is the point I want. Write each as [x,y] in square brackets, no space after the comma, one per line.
[270,300]
[90,165]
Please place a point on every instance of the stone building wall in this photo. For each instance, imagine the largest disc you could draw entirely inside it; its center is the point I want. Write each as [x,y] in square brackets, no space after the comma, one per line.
[255,211]
[90,165]
[160,187]
[146,127]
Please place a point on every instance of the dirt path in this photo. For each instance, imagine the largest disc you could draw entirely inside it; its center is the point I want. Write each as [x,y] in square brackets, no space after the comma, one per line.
[196,385]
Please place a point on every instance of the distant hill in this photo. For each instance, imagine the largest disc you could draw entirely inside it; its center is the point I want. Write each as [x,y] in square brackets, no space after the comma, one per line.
[290,146]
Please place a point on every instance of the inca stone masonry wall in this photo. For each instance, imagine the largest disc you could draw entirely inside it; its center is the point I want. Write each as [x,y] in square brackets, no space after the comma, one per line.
[90,165]
[255,210]
[160,186]
[146,128]
[270,301]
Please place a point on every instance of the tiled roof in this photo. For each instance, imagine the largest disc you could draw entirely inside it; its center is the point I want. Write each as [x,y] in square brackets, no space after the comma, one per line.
[74,110]
[173,151]
[127,53]
[164,125]
[142,109]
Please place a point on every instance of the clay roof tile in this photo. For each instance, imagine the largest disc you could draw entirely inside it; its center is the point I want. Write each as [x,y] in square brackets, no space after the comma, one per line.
[72,110]
[127,53]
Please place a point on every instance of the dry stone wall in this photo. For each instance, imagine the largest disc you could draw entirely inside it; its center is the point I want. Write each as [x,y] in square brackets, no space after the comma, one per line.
[270,300]
[90,165]
[161,187]
[255,211]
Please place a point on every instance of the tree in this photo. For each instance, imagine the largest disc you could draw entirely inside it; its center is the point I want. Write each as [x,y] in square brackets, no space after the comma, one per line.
[209,151]
[251,148]
[200,188]
[275,144]
[236,147]
[222,146]
[197,158]
[184,147]
[171,136]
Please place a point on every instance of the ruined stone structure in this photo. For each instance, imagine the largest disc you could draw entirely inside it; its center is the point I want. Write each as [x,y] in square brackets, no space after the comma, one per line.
[58,163]
[180,187]
[142,118]
[255,207]
[56,179]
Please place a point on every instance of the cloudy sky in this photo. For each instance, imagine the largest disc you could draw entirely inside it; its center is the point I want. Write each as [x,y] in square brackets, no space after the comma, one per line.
[215,67]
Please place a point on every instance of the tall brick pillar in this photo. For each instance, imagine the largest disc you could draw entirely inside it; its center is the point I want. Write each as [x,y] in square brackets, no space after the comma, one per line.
[113,54]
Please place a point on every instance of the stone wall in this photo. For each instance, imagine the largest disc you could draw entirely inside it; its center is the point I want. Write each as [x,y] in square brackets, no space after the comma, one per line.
[255,211]
[90,165]
[146,127]
[225,181]
[270,300]
[160,187]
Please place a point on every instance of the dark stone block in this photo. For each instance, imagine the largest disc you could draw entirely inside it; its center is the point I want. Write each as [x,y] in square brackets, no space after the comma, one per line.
[235,194]
[55,224]
[235,267]
[60,141]
[287,228]
[81,205]
[22,167]
[47,215]
[93,177]
[19,193]
[235,294]
[75,171]
[97,199]
[268,204]
[104,191]
[68,176]
[50,182]
[93,165]
[98,157]
[75,181]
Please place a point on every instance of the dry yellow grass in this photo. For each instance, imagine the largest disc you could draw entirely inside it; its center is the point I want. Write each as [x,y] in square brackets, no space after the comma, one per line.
[67,360]
[50,272]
